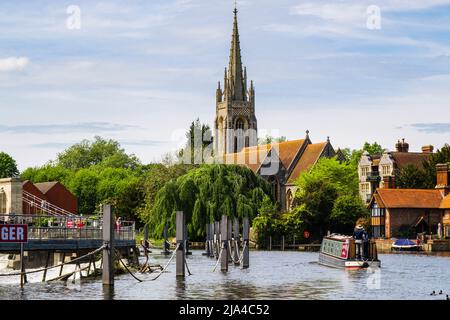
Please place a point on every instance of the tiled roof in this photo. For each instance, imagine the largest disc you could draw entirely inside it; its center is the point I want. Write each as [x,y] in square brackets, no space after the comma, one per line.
[403,159]
[408,198]
[249,157]
[445,204]
[252,157]
[44,187]
[307,160]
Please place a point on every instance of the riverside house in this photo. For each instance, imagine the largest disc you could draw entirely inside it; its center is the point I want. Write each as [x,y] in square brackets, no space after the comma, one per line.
[400,213]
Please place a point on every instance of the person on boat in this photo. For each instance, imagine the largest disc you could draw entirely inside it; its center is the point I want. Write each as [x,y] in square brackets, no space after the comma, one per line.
[365,245]
[358,234]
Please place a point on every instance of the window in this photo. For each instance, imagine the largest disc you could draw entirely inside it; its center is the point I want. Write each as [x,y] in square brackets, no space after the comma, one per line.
[386,170]
[364,171]
[239,124]
[365,188]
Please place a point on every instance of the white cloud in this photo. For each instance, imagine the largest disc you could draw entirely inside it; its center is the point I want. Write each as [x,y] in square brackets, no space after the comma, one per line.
[13,64]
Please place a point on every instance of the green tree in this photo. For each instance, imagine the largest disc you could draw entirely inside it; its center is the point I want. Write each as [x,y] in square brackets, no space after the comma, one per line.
[8,166]
[320,200]
[412,177]
[98,152]
[198,149]
[204,194]
[347,209]
[353,156]
[441,156]
[269,139]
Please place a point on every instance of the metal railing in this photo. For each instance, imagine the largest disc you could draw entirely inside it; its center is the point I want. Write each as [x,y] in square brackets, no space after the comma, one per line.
[40,205]
[46,227]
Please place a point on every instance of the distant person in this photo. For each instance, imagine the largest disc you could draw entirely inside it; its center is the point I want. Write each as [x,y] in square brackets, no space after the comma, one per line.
[365,246]
[118,224]
[358,235]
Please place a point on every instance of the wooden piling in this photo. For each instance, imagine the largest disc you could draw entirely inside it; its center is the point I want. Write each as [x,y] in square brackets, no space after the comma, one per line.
[62,265]
[282,243]
[236,241]
[23,276]
[180,254]
[207,252]
[47,261]
[211,240]
[246,243]
[108,251]
[217,237]
[166,246]
[224,244]
[270,243]
[229,237]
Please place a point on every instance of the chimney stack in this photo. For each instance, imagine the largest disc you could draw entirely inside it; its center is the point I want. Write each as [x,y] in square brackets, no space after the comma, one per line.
[427,149]
[402,146]
[389,182]
[442,176]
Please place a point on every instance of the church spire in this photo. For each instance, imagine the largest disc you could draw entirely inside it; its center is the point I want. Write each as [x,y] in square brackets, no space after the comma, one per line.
[235,76]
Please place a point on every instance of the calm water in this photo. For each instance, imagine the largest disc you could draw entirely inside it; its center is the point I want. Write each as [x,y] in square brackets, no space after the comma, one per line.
[272,275]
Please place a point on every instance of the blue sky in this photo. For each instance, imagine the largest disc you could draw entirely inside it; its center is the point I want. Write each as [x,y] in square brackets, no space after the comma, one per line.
[141,71]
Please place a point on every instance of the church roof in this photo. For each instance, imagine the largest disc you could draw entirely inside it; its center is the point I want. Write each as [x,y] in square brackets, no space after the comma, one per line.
[253,157]
[308,159]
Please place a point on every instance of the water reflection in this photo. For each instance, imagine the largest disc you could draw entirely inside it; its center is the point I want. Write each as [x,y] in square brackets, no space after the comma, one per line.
[272,275]
[108,292]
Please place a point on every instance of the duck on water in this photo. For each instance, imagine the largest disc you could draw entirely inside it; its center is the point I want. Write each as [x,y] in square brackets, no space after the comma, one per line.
[349,252]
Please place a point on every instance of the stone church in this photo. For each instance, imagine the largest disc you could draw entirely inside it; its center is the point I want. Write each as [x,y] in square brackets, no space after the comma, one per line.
[236,138]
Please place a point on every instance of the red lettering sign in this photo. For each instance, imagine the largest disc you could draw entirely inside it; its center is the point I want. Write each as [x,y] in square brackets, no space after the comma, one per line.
[306,234]
[13,233]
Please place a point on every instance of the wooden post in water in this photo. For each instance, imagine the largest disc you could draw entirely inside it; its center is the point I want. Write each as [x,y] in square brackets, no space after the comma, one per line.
[282,243]
[224,244]
[206,253]
[108,241]
[146,244]
[166,246]
[23,276]
[246,238]
[180,233]
[217,237]
[270,243]
[46,266]
[236,240]
[229,237]
[186,238]
[211,240]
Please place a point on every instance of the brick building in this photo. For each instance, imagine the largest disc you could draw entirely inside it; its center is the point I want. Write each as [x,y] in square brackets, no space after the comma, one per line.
[53,193]
[407,212]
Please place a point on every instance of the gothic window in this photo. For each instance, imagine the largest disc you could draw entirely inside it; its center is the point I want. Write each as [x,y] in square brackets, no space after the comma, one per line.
[275,190]
[289,200]
[240,124]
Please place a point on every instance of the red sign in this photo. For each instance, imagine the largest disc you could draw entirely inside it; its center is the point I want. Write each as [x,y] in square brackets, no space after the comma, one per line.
[13,233]
[306,234]
[70,224]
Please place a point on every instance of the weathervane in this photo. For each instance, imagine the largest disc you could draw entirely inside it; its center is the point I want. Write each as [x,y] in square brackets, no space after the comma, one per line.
[235,6]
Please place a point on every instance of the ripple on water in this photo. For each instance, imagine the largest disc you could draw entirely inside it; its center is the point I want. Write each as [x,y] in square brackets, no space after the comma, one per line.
[272,275]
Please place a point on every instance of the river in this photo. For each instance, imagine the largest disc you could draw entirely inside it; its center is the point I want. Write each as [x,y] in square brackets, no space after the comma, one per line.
[272,275]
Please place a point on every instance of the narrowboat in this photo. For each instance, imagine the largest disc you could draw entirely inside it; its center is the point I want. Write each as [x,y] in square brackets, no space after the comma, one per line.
[340,251]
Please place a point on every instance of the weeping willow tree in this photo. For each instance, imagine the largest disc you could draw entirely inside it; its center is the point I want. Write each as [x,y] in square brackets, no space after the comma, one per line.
[205,194]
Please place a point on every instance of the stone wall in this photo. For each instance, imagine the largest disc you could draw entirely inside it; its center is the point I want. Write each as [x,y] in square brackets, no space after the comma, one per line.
[11,196]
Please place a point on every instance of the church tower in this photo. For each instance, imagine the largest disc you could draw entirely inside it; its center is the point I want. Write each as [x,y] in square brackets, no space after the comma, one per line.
[235,126]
